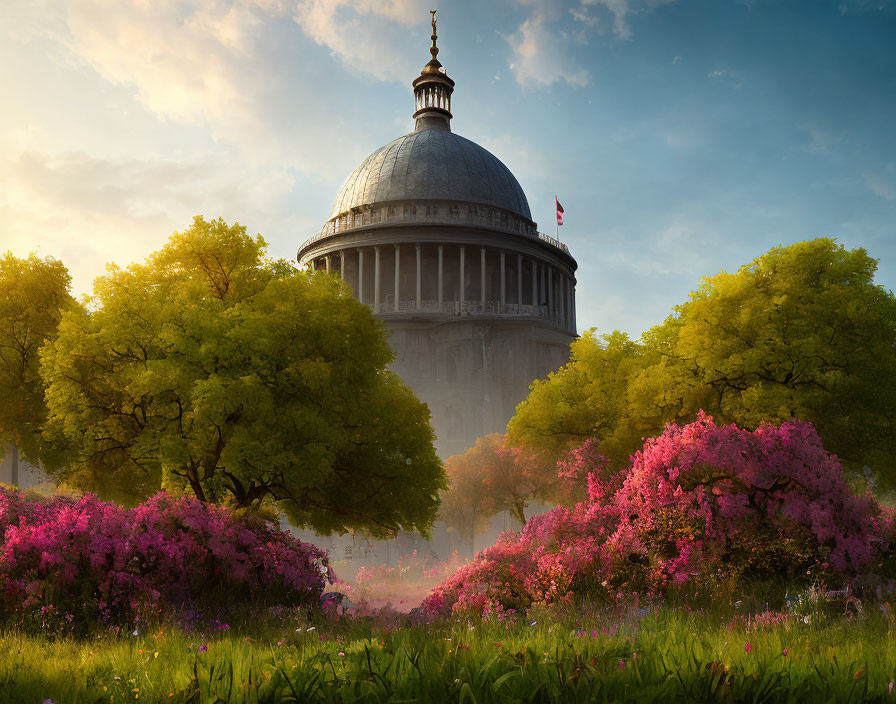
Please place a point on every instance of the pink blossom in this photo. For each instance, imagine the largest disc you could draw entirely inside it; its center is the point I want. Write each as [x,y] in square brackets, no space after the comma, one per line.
[700,503]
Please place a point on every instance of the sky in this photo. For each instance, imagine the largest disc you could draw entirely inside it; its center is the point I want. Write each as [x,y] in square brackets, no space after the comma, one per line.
[683,137]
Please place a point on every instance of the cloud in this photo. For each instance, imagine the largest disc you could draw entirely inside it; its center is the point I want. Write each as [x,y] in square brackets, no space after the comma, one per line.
[217,65]
[540,48]
[539,56]
[883,184]
[88,211]
[621,9]
[366,35]
[190,61]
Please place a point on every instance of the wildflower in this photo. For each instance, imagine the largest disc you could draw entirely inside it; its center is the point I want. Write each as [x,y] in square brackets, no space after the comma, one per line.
[156,655]
[634,656]
[748,647]
[859,673]
[203,648]
[594,634]
[533,623]
[341,654]
[47,701]
[890,688]
[464,646]
[498,645]
[313,628]
[784,652]
[279,643]
[135,632]
[622,664]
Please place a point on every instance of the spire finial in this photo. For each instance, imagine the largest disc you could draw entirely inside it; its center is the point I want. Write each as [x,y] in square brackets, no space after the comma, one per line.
[434,50]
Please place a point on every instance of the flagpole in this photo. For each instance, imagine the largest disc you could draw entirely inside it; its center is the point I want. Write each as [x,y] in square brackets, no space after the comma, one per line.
[556,221]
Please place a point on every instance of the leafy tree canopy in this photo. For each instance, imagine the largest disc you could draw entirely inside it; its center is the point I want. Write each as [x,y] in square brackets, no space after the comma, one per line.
[214,370]
[801,332]
[33,294]
[491,477]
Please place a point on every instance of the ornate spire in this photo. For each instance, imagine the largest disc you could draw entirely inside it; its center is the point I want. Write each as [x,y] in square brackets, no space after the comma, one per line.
[434,50]
[432,91]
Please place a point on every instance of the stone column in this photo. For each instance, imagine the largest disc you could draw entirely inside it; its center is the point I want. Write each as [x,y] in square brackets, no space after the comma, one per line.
[550,294]
[397,274]
[534,284]
[376,280]
[327,262]
[441,295]
[482,276]
[562,293]
[342,264]
[519,283]
[503,287]
[360,274]
[418,277]
[462,280]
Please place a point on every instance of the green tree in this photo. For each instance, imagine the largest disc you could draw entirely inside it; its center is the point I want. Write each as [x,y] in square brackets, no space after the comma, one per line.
[585,398]
[467,507]
[493,476]
[801,332]
[33,294]
[212,369]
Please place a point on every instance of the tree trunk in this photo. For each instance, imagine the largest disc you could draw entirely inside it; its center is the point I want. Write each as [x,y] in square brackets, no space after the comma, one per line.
[14,461]
[518,511]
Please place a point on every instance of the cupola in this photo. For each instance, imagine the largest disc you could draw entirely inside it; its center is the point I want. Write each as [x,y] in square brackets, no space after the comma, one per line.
[432,91]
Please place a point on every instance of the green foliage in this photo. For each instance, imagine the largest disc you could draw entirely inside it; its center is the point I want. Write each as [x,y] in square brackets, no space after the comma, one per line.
[659,657]
[213,370]
[801,332]
[33,294]
[491,477]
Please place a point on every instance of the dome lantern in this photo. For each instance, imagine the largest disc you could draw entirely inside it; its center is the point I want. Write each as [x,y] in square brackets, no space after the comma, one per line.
[432,91]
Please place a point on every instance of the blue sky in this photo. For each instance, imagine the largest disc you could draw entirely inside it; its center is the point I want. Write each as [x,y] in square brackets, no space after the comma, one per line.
[683,137]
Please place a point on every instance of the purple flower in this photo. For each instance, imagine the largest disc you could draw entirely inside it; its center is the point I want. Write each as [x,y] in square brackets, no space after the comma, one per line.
[203,648]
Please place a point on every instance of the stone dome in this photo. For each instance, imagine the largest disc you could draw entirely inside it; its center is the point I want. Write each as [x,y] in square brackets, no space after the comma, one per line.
[432,164]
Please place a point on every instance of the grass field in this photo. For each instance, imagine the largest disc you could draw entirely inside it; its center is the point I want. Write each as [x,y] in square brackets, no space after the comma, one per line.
[661,656]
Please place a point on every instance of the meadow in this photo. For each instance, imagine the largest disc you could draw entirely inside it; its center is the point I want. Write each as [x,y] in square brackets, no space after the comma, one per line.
[812,652]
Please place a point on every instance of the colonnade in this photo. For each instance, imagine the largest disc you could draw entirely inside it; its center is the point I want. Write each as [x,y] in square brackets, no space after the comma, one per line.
[454,279]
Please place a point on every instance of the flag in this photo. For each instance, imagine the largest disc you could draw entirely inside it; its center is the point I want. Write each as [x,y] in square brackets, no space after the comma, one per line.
[559,212]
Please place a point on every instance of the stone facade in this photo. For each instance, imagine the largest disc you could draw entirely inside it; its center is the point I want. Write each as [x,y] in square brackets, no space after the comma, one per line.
[435,234]
[476,311]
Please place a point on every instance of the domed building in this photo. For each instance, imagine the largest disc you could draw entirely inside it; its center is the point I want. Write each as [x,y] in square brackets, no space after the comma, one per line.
[435,234]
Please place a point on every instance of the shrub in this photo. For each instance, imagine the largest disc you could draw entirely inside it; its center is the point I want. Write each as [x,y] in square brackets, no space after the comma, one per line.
[702,508]
[86,559]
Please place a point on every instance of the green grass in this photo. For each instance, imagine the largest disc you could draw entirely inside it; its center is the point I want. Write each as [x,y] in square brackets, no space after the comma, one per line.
[668,656]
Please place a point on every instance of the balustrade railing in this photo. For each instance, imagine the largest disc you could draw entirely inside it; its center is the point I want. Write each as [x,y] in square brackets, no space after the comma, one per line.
[387,305]
[436,214]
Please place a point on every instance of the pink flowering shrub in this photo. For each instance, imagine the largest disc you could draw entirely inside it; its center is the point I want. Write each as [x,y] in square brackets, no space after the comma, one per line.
[702,508]
[80,558]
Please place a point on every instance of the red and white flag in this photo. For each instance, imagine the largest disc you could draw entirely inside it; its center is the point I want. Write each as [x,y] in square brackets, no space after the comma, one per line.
[559,212]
